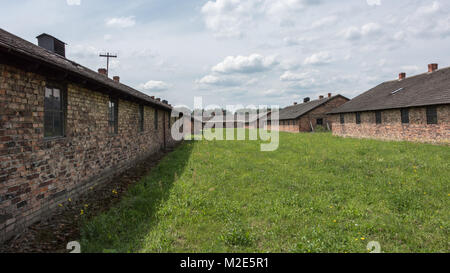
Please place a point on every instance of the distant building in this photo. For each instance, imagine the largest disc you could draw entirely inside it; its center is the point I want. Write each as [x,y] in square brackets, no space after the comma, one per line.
[414,109]
[309,115]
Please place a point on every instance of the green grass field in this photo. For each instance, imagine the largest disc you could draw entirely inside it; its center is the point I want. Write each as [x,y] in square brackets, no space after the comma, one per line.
[316,193]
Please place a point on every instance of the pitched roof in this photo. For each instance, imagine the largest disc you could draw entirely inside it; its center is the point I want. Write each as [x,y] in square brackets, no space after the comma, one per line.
[420,90]
[296,111]
[22,47]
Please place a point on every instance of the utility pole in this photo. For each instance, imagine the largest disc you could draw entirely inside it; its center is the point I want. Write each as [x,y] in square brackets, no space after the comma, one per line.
[107,56]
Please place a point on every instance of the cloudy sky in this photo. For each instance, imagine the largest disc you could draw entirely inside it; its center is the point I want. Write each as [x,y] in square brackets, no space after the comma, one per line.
[269,52]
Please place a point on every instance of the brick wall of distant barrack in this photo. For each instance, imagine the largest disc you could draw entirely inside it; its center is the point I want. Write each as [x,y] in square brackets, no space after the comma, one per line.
[392,128]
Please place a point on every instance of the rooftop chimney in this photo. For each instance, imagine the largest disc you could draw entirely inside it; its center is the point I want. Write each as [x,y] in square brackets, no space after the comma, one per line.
[295,103]
[165,102]
[329,95]
[102,71]
[401,76]
[52,44]
[432,67]
[158,99]
[153,97]
[116,78]
[320,97]
[305,100]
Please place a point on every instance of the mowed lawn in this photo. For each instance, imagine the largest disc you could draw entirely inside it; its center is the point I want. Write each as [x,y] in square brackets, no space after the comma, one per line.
[316,193]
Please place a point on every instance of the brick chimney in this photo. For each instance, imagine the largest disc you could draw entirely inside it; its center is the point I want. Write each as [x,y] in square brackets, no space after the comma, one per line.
[432,67]
[329,95]
[401,76]
[321,97]
[158,99]
[116,78]
[295,103]
[165,102]
[102,71]
[153,97]
[305,100]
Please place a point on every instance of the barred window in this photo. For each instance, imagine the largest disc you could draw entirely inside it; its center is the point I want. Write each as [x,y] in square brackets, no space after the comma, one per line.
[378,117]
[342,116]
[358,118]
[431,115]
[141,118]
[156,119]
[405,115]
[113,114]
[54,111]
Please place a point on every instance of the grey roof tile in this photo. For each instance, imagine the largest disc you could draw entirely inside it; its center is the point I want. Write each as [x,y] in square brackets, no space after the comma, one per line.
[296,111]
[420,90]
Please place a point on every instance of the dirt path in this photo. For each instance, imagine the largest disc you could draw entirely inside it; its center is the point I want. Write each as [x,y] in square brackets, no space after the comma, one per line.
[53,234]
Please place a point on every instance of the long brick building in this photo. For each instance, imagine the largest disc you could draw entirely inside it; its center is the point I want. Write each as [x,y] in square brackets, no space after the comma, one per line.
[307,116]
[65,128]
[413,108]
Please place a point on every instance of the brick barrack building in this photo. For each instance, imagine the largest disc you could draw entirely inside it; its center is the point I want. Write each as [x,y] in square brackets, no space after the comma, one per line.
[307,116]
[65,128]
[411,108]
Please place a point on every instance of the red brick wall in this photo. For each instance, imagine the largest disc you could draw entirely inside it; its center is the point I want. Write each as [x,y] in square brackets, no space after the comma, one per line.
[37,174]
[392,128]
[303,124]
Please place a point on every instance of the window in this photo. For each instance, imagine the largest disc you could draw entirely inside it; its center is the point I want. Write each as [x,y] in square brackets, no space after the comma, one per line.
[342,118]
[319,121]
[141,118]
[431,115]
[156,119]
[358,118]
[378,117]
[113,114]
[405,115]
[54,111]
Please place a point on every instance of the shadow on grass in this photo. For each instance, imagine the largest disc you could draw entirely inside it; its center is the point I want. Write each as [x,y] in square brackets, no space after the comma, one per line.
[124,227]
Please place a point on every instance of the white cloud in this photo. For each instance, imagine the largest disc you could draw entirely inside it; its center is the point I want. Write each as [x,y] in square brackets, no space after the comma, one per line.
[323,57]
[287,6]
[426,10]
[374,2]
[154,86]
[227,17]
[73,2]
[354,33]
[292,41]
[410,68]
[121,22]
[245,64]
[429,20]
[273,93]
[324,21]
[218,81]
[370,28]
[302,79]
[83,51]
[290,76]
[230,18]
